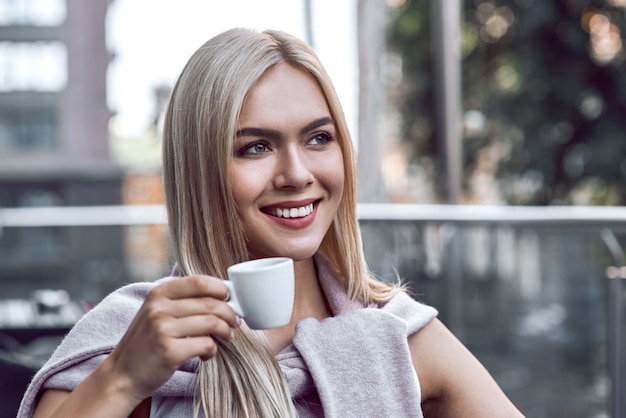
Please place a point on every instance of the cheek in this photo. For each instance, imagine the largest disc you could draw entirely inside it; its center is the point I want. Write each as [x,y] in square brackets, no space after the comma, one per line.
[334,174]
[338,180]
[241,185]
[248,182]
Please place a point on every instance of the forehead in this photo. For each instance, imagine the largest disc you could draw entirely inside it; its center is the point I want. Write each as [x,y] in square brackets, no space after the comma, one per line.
[284,95]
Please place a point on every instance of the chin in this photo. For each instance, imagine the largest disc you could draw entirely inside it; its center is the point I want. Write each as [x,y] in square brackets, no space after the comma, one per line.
[297,254]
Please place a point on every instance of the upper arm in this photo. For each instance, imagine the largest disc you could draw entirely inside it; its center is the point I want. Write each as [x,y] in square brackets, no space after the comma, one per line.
[453,381]
[49,402]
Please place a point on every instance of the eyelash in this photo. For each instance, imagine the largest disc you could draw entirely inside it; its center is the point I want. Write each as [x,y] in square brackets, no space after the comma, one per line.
[326,138]
[326,135]
[243,151]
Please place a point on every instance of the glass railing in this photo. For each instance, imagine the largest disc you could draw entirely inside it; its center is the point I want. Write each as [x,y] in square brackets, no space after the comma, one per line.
[537,294]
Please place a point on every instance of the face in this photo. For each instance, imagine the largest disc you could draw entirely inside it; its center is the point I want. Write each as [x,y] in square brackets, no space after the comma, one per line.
[287,171]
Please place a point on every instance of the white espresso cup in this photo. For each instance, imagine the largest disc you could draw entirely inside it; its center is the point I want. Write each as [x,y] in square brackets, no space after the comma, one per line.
[262,291]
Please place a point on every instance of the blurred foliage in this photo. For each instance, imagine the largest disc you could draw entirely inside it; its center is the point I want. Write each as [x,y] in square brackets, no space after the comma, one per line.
[544,95]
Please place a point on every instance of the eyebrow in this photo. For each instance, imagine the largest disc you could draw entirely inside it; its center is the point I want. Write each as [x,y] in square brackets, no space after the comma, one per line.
[272,133]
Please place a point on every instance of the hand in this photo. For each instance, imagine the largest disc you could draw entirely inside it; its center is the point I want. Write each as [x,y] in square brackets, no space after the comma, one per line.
[179,319]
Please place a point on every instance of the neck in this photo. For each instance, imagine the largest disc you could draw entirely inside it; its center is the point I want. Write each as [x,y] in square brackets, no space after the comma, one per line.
[309,302]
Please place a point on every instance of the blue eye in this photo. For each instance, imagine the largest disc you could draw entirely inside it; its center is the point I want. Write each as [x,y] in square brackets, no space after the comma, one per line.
[321,138]
[254,148]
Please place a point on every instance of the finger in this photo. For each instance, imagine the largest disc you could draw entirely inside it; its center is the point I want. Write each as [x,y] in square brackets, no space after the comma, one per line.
[200,325]
[181,308]
[204,347]
[192,286]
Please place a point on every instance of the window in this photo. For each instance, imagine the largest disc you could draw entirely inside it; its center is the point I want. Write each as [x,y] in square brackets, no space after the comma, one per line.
[33,66]
[32,12]
[32,130]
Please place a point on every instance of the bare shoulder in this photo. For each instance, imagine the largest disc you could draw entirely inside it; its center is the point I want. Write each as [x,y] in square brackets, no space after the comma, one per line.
[453,382]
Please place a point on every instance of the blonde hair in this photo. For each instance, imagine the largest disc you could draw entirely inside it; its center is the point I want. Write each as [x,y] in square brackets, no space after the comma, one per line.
[199,131]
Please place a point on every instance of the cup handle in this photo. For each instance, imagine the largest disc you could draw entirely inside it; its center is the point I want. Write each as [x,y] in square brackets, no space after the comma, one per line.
[233,302]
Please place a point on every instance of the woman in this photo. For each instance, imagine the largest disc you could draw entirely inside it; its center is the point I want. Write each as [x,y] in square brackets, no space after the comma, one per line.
[257,163]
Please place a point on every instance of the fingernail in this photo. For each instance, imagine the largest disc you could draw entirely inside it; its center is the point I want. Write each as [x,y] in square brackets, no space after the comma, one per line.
[232,335]
[227,296]
[238,320]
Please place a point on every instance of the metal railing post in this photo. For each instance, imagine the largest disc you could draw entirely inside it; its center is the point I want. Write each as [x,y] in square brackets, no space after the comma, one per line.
[616,277]
[447,30]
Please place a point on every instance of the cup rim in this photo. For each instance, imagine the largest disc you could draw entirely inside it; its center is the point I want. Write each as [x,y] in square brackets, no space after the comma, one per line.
[260,264]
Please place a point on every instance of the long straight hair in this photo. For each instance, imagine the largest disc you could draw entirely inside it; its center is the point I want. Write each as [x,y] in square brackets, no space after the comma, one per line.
[244,379]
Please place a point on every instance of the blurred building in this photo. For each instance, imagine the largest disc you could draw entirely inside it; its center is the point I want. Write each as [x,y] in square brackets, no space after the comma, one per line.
[54,140]
[53,109]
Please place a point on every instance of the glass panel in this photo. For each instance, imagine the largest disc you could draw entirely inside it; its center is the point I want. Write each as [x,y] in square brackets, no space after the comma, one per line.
[533,302]
[530,302]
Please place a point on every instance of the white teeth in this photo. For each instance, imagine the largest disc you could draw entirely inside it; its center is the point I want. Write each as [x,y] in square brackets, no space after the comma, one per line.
[294,212]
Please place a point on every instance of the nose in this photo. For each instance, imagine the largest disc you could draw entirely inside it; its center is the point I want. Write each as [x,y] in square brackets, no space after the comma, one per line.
[292,169]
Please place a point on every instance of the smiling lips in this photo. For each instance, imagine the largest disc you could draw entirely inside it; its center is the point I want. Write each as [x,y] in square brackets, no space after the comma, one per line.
[298,212]
[293,215]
